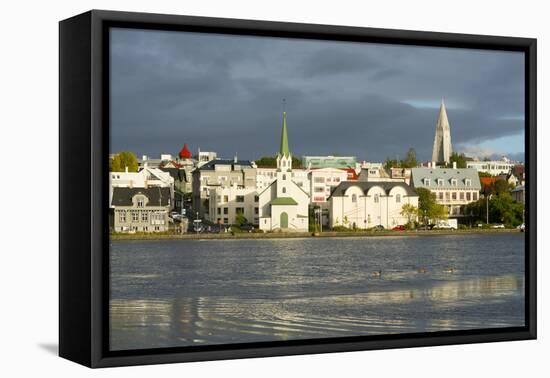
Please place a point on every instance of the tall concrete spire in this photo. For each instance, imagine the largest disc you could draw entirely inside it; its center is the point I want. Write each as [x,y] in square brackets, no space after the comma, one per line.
[443,148]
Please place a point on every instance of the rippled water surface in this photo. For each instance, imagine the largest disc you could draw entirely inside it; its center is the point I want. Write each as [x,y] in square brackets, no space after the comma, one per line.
[193,292]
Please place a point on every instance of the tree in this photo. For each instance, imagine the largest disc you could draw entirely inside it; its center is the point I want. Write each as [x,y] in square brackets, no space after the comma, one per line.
[502,208]
[484,174]
[428,208]
[459,159]
[240,219]
[271,162]
[410,212]
[123,160]
[410,159]
[500,186]
[392,163]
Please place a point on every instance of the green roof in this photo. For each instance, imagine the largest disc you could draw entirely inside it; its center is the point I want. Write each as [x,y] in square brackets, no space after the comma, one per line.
[284,151]
[284,201]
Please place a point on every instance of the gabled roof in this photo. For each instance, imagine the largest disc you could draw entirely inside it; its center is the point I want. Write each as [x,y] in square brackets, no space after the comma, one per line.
[157,196]
[418,175]
[176,173]
[387,186]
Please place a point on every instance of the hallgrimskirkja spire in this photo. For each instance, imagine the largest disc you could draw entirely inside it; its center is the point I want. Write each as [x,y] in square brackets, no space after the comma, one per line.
[443,147]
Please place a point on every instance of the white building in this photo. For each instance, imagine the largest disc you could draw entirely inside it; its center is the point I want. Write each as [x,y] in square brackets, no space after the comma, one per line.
[323,180]
[206,156]
[363,204]
[283,205]
[147,177]
[492,167]
[453,188]
[227,202]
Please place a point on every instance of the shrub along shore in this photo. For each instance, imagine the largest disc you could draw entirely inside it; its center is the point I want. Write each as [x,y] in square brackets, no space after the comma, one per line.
[290,235]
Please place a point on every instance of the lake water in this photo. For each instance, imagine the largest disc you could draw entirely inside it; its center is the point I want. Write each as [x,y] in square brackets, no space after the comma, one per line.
[203,292]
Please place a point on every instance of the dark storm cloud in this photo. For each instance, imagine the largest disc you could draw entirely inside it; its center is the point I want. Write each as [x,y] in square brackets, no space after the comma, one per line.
[224,93]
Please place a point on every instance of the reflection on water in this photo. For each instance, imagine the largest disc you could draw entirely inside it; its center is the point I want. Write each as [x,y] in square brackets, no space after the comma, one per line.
[195,293]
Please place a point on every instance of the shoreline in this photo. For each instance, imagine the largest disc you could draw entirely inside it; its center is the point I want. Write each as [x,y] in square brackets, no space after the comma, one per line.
[296,235]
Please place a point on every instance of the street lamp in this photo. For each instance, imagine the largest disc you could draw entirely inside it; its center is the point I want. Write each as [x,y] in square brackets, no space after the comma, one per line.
[487,201]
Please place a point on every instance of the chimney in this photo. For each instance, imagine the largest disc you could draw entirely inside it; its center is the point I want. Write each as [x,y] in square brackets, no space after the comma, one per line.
[433,164]
[454,164]
[235,159]
[429,164]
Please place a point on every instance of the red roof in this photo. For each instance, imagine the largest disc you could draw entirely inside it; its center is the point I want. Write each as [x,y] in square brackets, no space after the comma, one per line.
[185,153]
[352,175]
[487,181]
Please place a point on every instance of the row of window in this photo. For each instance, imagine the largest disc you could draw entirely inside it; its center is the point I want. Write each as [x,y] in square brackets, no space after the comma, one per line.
[463,196]
[441,182]
[377,198]
[140,216]
[238,210]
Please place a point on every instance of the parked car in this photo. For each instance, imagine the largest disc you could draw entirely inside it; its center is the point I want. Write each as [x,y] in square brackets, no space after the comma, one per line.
[249,227]
[378,228]
[521,227]
[449,224]
[497,225]
[399,228]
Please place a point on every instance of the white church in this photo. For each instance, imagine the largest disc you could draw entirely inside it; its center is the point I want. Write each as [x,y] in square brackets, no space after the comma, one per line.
[283,205]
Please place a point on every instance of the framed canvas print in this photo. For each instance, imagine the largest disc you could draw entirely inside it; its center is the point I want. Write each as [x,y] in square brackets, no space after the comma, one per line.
[234,188]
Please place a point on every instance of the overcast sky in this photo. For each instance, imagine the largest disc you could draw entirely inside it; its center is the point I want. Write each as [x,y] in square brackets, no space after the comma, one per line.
[224,93]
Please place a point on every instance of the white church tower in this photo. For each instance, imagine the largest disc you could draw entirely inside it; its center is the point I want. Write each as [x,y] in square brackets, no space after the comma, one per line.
[443,148]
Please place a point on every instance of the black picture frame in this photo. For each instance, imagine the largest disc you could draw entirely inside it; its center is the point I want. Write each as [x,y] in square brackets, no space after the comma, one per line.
[83,181]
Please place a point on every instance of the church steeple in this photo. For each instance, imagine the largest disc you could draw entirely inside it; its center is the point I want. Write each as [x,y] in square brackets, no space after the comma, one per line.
[443,148]
[283,151]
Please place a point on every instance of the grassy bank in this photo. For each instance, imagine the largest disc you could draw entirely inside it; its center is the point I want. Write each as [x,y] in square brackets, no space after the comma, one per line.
[290,235]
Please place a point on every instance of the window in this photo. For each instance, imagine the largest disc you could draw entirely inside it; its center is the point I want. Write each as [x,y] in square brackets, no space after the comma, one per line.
[439,182]
[284,189]
[468,196]
[225,199]
[447,196]
[225,220]
[239,198]
[284,177]
[398,198]
[462,196]
[376,198]
[319,189]
[225,210]
[454,182]
[256,198]
[140,202]
[144,216]
[239,210]
[135,216]
[319,180]
[219,210]
[474,196]
[454,196]
[256,211]
[441,196]
[122,216]
[468,182]
[354,198]
[427,181]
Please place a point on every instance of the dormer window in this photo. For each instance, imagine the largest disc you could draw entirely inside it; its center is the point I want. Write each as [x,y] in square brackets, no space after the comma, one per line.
[140,202]
[468,182]
[376,198]
[427,181]
[439,182]
[354,198]
[454,182]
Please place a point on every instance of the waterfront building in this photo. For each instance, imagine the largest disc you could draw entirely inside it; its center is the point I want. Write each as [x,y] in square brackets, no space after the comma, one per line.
[219,173]
[366,204]
[454,188]
[226,203]
[442,149]
[518,194]
[147,177]
[323,180]
[492,167]
[141,209]
[329,162]
[283,205]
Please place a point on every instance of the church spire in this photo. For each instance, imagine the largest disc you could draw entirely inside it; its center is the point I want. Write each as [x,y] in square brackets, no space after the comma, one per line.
[443,148]
[283,151]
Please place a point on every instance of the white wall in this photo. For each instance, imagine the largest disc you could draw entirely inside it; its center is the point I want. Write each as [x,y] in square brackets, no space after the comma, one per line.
[29,41]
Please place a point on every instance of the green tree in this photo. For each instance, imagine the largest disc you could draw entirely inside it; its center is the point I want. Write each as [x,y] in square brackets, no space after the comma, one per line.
[410,159]
[392,163]
[502,209]
[410,212]
[459,159]
[428,208]
[500,186]
[123,160]
[240,219]
[271,162]
[484,174]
